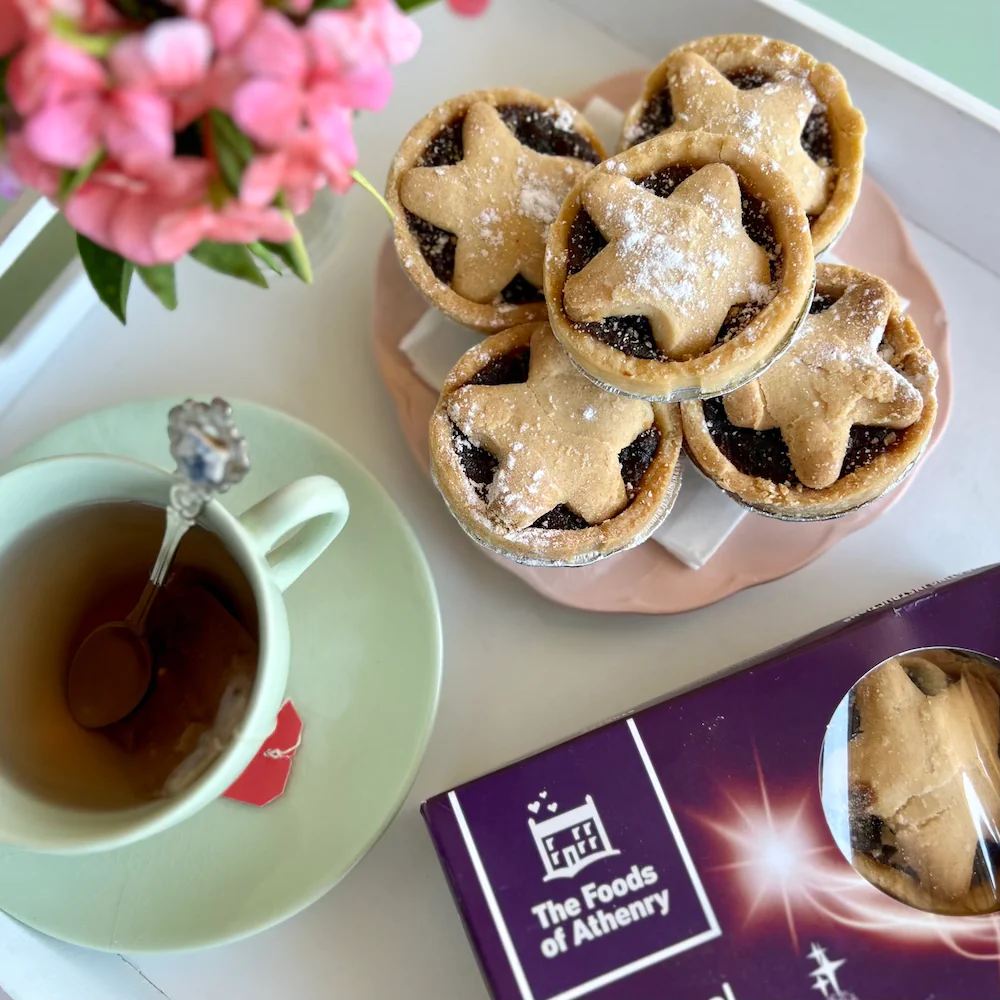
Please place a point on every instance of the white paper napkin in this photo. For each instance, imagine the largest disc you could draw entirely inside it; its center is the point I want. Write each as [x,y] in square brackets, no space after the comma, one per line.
[434,344]
[606,121]
[703,516]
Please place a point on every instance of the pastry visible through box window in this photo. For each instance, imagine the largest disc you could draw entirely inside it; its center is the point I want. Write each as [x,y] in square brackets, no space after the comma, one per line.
[774,97]
[924,780]
[542,466]
[837,421]
[474,187]
[679,269]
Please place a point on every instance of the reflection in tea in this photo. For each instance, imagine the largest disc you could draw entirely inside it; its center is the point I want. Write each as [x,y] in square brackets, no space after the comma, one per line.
[86,567]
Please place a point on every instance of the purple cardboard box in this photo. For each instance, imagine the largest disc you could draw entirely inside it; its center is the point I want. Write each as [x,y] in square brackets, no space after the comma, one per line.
[682,853]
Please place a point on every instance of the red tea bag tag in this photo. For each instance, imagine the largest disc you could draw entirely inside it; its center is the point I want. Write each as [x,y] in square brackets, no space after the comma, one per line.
[266,776]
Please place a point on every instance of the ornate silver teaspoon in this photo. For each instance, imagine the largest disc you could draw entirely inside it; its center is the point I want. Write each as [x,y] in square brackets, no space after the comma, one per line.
[113,669]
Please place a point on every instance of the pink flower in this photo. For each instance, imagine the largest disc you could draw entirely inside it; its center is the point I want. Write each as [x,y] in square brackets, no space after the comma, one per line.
[365,88]
[169,55]
[157,213]
[153,216]
[137,126]
[66,133]
[290,76]
[29,169]
[269,106]
[354,48]
[70,114]
[332,125]
[216,90]
[174,59]
[236,222]
[396,35]
[229,20]
[48,70]
[275,49]
[131,125]
[13,27]
[468,8]
[99,16]
[269,111]
[301,168]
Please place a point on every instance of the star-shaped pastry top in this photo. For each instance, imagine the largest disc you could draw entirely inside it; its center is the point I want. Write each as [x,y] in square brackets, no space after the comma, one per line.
[556,438]
[499,200]
[927,758]
[770,117]
[681,261]
[831,378]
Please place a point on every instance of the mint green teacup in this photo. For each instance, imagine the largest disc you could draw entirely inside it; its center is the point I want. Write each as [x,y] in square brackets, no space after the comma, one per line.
[272,543]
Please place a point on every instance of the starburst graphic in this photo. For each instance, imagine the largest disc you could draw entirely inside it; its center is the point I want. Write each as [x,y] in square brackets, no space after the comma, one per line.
[771,851]
[824,976]
[786,862]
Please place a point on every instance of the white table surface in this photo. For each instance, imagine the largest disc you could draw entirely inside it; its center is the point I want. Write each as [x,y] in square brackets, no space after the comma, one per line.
[519,672]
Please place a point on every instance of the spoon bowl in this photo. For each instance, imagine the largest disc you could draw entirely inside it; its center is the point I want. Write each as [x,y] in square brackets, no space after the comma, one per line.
[109,675]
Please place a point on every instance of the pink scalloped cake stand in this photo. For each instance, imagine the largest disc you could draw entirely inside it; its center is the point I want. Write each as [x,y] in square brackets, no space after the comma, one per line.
[647,579]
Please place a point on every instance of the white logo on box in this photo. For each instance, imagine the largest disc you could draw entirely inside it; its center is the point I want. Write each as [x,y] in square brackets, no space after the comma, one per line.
[568,842]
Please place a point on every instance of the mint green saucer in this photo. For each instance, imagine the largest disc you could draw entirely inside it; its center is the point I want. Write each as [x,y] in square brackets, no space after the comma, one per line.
[365,676]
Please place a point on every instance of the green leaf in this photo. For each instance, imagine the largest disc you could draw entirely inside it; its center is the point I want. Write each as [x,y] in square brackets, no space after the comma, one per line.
[295,255]
[99,45]
[294,252]
[233,150]
[161,280]
[262,253]
[332,4]
[367,185]
[109,273]
[233,259]
[70,180]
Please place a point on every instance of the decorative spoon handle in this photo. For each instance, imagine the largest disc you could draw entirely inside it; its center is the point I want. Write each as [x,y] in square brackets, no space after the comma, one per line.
[211,456]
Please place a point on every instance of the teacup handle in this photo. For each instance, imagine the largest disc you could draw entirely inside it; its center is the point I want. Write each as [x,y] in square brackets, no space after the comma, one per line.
[314,508]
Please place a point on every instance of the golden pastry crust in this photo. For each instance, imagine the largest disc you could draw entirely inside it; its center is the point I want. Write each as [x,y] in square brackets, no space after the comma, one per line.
[924,766]
[567,429]
[495,314]
[893,882]
[908,357]
[733,53]
[643,259]
[730,364]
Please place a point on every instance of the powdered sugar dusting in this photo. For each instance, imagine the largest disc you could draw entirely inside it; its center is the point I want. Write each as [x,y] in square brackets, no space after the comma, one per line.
[563,117]
[539,202]
[766,119]
[544,455]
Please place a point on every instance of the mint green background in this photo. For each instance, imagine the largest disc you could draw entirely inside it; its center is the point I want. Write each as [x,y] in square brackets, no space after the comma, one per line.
[957,39]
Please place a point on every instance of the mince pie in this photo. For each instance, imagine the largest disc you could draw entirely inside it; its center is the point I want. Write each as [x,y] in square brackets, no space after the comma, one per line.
[835,422]
[474,188]
[539,464]
[774,97]
[679,269]
[924,780]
